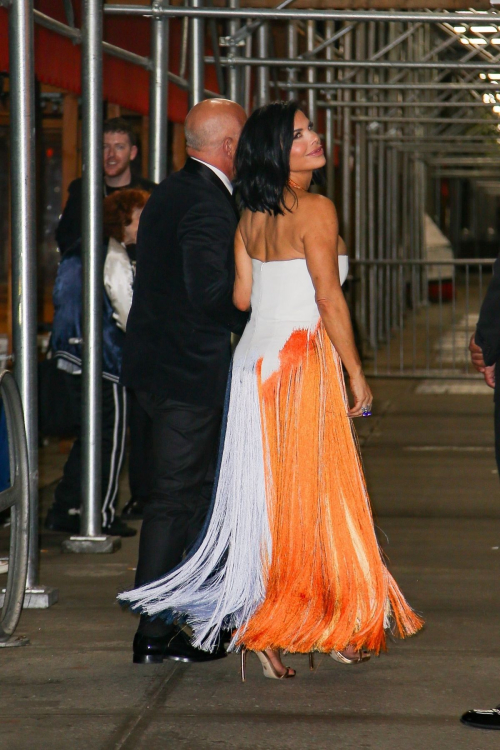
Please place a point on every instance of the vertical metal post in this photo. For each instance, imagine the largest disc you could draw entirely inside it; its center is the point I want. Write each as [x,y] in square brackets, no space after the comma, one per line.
[311,75]
[292,52]
[158,98]
[247,85]
[233,72]
[346,153]
[91,539]
[262,94]
[329,120]
[196,58]
[92,264]
[24,275]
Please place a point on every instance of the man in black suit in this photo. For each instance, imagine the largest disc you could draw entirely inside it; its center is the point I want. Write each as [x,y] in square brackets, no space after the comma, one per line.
[177,350]
[485,355]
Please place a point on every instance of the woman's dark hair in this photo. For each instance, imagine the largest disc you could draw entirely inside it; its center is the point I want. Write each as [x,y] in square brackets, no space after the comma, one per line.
[118,209]
[263,158]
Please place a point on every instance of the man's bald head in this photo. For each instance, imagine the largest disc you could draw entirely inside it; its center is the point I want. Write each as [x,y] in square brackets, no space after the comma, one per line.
[212,130]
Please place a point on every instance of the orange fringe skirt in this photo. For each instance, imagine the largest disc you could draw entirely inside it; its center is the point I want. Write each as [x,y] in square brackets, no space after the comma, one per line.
[288,557]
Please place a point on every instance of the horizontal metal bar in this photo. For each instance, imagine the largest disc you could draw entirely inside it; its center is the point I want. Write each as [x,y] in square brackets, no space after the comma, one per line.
[144,62]
[285,62]
[465,161]
[408,262]
[338,86]
[467,174]
[60,28]
[271,14]
[428,120]
[405,105]
[422,139]
[124,54]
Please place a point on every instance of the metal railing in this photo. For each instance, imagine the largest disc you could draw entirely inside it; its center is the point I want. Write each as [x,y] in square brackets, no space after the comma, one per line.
[17,498]
[415,317]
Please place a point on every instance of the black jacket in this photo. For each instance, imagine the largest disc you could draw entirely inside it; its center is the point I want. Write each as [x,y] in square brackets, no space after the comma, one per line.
[487,334]
[179,328]
[69,229]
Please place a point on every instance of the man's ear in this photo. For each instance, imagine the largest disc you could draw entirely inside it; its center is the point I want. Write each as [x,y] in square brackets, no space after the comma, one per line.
[133,153]
[228,146]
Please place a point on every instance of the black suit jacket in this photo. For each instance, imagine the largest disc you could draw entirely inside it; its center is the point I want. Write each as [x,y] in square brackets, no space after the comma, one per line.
[487,334]
[69,229]
[179,328]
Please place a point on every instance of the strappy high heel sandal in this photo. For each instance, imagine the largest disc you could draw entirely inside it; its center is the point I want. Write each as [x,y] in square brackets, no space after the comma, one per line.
[268,667]
[360,656]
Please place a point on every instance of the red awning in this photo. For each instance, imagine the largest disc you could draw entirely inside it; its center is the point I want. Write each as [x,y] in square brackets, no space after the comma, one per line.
[58,60]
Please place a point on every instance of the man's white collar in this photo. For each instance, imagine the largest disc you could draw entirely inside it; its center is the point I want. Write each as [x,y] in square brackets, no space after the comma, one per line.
[220,175]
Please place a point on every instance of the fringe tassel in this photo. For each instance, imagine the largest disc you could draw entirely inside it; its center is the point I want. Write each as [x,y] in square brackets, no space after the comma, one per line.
[326,584]
[222,584]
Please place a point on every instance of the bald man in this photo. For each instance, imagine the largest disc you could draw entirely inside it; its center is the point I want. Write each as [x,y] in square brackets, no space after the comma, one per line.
[177,350]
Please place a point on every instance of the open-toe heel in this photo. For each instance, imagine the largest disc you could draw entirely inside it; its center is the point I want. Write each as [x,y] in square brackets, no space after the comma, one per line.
[357,658]
[268,667]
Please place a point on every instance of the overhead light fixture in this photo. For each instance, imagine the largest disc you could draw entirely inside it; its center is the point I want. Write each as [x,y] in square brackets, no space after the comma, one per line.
[494,76]
[464,40]
[483,29]
[488,99]
[477,42]
[495,40]
[482,76]
[496,110]
[460,29]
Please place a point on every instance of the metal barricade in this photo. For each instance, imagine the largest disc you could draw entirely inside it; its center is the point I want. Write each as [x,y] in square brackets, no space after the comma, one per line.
[16,497]
[415,318]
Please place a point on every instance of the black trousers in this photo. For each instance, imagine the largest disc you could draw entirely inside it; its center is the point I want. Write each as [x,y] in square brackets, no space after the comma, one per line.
[141,441]
[497,427]
[184,442]
[68,493]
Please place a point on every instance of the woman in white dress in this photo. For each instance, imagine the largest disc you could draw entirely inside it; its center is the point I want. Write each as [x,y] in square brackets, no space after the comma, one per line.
[288,559]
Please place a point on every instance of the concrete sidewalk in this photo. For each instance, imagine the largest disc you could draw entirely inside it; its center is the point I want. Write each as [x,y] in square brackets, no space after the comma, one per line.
[437,502]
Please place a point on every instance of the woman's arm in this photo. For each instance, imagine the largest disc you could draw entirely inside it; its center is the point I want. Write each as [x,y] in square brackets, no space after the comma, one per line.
[242,291]
[320,239]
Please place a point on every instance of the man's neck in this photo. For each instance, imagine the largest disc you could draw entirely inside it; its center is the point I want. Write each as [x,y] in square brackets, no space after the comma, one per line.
[125,178]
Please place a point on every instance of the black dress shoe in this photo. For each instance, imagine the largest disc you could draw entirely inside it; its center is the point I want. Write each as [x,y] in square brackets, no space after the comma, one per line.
[181,649]
[150,649]
[479,719]
[176,646]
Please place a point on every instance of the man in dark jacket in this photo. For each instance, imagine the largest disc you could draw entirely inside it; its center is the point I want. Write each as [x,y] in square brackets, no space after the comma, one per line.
[485,355]
[177,349]
[120,150]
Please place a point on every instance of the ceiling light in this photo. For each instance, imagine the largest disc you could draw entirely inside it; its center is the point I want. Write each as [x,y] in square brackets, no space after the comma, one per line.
[482,76]
[496,110]
[464,40]
[488,99]
[483,29]
[494,76]
[477,41]
[460,29]
[495,40]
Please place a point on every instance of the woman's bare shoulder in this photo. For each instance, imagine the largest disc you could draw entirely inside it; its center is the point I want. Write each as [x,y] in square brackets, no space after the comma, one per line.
[314,208]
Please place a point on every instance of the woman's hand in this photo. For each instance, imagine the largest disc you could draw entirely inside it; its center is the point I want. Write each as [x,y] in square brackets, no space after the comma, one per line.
[362,395]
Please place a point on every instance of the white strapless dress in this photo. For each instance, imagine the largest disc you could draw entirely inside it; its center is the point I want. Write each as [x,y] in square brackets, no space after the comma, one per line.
[288,557]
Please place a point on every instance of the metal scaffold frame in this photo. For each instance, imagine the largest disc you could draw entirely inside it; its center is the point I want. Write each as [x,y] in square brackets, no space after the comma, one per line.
[400,93]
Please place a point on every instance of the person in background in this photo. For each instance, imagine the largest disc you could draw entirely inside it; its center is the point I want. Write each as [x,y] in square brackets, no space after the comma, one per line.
[484,349]
[119,151]
[121,219]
